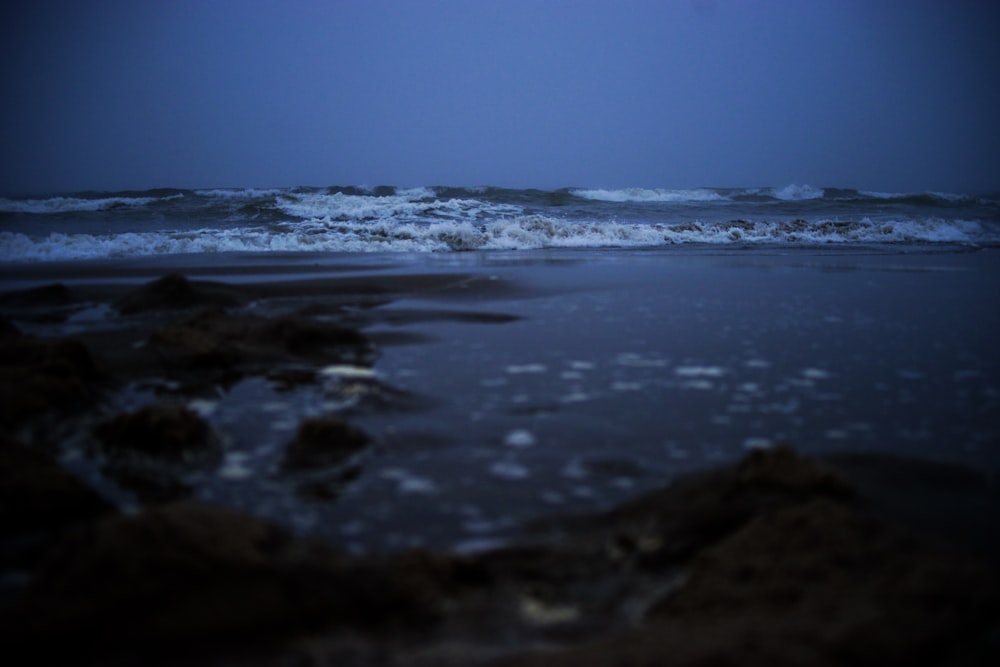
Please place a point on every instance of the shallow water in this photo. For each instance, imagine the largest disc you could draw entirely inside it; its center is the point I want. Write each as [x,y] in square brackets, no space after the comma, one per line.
[510,386]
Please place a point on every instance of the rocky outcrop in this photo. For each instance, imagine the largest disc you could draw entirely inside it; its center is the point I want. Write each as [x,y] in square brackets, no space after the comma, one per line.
[151,451]
[322,443]
[772,561]
[38,501]
[174,580]
[175,292]
[45,376]
[216,340]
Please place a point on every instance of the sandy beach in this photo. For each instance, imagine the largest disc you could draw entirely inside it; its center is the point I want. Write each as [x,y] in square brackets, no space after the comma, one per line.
[471,458]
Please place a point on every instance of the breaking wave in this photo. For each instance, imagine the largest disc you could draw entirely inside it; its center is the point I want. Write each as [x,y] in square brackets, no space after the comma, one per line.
[651,195]
[56,205]
[518,233]
[797,193]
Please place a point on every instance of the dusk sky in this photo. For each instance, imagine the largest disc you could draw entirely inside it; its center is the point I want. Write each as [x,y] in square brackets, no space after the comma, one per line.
[872,94]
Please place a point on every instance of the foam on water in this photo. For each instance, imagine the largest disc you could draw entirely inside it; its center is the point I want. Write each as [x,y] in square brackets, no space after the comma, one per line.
[423,219]
[796,192]
[416,204]
[651,195]
[518,233]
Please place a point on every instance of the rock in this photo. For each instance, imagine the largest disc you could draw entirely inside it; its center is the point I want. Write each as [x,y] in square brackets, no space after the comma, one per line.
[163,432]
[221,341]
[149,452]
[8,330]
[777,565]
[782,471]
[814,583]
[41,376]
[186,346]
[38,499]
[322,443]
[321,458]
[172,292]
[45,304]
[698,509]
[55,294]
[821,581]
[173,580]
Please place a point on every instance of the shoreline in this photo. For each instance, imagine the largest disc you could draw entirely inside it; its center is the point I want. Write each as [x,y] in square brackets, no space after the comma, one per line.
[429,426]
[535,383]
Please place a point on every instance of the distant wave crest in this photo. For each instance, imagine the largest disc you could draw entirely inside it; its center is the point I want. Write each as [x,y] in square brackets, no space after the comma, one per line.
[51,205]
[797,193]
[413,204]
[650,195]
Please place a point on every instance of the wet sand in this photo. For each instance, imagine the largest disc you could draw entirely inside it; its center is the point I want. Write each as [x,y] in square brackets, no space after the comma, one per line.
[325,415]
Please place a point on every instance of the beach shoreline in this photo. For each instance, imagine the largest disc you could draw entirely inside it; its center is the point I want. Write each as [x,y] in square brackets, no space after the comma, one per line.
[464,405]
[541,382]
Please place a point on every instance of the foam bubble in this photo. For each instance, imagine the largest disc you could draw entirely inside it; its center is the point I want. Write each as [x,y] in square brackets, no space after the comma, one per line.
[347,371]
[510,470]
[626,386]
[521,369]
[519,438]
[758,443]
[408,227]
[700,371]
[416,485]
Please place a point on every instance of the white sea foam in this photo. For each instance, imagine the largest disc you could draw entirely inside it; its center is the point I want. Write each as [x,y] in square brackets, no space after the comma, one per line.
[516,233]
[796,192]
[519,439]
[509,470]
[416,204]
[651,195]
[416,193]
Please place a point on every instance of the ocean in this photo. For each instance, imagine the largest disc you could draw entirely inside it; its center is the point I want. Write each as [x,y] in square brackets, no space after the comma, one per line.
[443,219]
[538,353]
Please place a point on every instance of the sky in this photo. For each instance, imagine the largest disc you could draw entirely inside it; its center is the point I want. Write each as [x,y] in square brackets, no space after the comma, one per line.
[896,96]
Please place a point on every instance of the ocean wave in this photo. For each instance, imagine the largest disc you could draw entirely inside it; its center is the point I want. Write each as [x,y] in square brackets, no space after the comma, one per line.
[416,193]
[52,205]
[797,192]
[920,198]
[518,233]
[412,204]
[239,193]
[650,195]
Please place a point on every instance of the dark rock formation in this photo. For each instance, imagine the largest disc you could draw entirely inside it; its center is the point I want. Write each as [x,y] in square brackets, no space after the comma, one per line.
[773,561]
[176,579]
[811,584]
[55,294]
[38,499]
[322,443]
[164,432]
[221,341]
[8,330]
[149,452]
[173,292]
[321,457]
[41,376]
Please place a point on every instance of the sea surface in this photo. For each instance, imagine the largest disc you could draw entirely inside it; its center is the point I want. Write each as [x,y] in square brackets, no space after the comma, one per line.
[445,219]
[555,352]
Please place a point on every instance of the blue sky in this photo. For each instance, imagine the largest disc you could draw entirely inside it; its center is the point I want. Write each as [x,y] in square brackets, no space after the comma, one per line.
[876,94]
